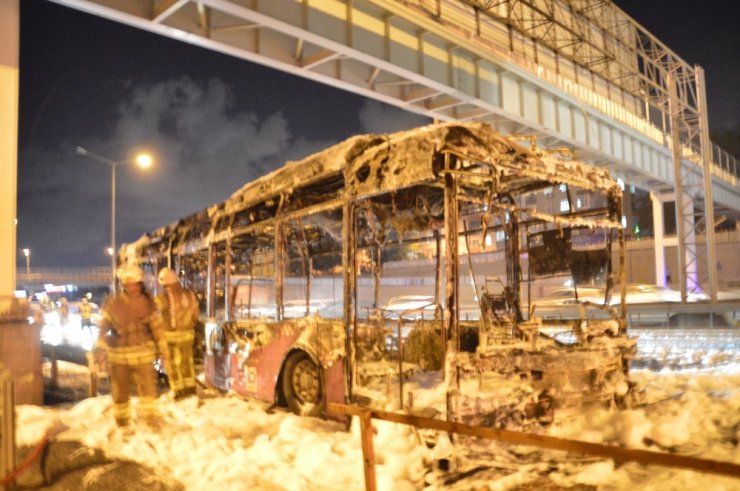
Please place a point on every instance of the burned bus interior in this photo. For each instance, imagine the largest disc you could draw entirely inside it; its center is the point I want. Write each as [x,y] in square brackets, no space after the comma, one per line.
[435,254]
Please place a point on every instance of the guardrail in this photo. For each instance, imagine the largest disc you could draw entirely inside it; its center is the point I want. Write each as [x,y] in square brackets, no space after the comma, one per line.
[619,454]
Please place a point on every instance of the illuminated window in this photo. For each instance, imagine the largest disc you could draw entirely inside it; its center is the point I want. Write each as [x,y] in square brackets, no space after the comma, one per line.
[564,206]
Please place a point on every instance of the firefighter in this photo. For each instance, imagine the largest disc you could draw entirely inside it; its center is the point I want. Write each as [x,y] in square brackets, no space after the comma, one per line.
[86,315]
[181,313]
[63,311]
[131,332]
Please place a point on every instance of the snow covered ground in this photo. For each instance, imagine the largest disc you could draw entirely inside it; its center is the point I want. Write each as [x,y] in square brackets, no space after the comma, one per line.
[223,442]
[692,407]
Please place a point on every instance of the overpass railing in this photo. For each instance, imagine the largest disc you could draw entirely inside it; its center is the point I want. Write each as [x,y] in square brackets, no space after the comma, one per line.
[603,94]
[64,276]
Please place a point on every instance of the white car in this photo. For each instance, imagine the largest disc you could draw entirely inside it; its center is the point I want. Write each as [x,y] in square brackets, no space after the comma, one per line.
[567,296]
[255,312]
[636,293]
[645,293]
[297,308]
[410,306]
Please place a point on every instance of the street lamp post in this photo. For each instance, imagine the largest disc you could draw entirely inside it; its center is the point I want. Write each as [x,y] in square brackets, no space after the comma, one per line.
[142,160]
[27,253]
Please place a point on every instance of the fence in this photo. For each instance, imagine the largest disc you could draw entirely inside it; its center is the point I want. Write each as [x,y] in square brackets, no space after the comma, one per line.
[518,438]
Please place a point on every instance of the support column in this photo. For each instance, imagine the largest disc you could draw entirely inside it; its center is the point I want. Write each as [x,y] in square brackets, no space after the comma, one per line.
[706,150]
[9,54]
[690,253]
[658,245]
[685,215]
[20,344]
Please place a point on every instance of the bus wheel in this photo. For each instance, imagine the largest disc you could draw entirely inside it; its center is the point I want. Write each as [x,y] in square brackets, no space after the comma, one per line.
[302,385]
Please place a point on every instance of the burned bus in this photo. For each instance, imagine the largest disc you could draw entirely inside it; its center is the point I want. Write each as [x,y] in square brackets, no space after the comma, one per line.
[390,264]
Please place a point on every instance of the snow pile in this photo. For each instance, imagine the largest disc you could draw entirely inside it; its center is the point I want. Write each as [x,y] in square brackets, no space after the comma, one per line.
[229,443]
[224,442]
[695,412]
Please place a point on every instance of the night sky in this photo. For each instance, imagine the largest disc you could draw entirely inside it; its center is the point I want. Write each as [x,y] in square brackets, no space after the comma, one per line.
[214,122]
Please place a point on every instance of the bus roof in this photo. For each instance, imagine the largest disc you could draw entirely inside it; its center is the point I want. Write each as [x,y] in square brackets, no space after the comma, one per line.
[385,162]
[376,163]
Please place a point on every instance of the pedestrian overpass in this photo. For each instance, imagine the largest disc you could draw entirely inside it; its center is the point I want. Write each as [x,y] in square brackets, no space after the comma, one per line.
[83,277]
[578,77]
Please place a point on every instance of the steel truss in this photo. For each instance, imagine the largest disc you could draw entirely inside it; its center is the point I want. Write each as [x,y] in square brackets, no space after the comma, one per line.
[598,36]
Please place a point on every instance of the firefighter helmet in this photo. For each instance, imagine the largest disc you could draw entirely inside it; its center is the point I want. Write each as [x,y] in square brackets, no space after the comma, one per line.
[168,277]
[130,273]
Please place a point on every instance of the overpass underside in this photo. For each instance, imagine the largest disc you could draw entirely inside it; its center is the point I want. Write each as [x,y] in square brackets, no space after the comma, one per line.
[574,74]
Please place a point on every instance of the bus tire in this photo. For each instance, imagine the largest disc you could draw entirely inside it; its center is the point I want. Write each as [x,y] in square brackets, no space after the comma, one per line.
[302,387]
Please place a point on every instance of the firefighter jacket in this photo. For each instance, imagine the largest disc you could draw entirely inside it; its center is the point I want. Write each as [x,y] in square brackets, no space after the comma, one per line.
[180,313]
[85,311]
[132,330]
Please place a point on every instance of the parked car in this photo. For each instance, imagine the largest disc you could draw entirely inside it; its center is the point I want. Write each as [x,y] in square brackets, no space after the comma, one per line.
[410,306]
[636,293]
[255,312]
[297,308]
[335,309]
[567,296]
[646,293]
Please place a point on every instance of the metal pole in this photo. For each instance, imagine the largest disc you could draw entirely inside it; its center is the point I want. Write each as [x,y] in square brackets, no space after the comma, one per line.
[113,229]
[113,164]
[706,155]
[681,198]
[28,264]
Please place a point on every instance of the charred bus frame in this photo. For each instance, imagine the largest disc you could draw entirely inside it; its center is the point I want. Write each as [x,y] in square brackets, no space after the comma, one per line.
[293,270]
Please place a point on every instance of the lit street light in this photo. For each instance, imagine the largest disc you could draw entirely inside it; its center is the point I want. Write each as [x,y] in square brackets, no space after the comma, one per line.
[27,253]
[142,160]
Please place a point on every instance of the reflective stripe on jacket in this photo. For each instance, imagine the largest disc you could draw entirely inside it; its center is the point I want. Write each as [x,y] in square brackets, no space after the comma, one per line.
[177,337]
[130,327]
[179,308]
[133,355]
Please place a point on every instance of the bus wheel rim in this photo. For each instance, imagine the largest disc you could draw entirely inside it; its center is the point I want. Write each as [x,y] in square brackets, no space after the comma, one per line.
[306,381]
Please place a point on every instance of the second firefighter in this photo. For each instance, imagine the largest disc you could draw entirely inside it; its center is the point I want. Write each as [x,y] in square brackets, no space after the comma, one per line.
[180,312]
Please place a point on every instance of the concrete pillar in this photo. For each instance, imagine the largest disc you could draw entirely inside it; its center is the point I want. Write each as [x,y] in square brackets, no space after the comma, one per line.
[659,242]
[20,351]
[20,347]
[9,55]
[689,277]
